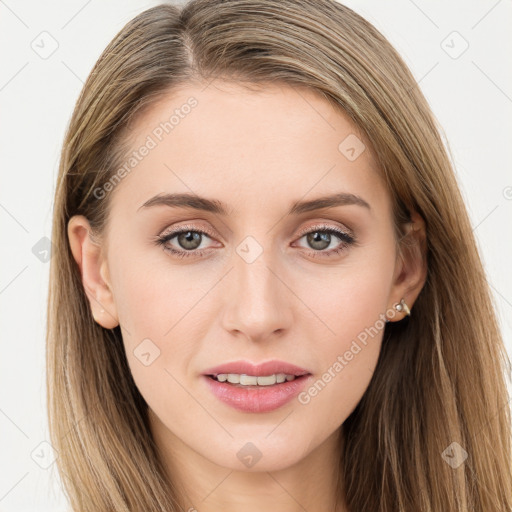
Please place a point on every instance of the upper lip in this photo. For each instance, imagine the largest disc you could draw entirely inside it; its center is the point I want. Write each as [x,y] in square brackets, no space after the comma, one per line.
[257,370]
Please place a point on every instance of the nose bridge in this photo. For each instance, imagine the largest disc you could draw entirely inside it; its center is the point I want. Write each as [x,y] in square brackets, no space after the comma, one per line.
[259,304]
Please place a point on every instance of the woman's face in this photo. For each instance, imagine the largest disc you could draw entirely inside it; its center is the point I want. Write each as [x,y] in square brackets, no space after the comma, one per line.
[263,271]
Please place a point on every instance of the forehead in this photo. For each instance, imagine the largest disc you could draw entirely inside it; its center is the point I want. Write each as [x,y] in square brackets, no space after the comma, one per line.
[223,140]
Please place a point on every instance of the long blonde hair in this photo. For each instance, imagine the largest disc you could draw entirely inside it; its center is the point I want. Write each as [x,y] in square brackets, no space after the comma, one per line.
[440,377]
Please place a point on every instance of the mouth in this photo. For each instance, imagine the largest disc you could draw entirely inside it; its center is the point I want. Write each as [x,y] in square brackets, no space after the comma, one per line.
[257,388]
[266,373]
[254,381]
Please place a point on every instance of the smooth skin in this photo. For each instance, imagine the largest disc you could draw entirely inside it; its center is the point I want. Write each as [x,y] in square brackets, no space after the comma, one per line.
[257,152]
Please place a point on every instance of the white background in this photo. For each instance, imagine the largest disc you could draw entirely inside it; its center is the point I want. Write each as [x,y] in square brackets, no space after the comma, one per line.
[471,96]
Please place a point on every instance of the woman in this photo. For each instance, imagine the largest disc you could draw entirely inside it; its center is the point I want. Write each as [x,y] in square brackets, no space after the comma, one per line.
[268,294]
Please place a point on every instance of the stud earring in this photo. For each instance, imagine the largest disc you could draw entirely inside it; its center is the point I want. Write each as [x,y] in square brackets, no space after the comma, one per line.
[403,307]
[102,311]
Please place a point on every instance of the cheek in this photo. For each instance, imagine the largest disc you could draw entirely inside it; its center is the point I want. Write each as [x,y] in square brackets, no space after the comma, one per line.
[153,300]
[352,309]
[351,297]
[155,307]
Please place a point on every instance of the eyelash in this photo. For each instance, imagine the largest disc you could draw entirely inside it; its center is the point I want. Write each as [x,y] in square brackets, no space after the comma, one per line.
[344,237]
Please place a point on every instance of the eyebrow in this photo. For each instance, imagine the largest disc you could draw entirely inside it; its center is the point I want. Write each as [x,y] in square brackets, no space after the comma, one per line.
[217,207]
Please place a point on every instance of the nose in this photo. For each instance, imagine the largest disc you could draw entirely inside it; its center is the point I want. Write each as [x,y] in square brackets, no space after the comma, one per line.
[258,304]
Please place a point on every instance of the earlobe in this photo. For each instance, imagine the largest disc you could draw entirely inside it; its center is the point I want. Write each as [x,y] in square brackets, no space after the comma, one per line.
[411,269]
[90,259]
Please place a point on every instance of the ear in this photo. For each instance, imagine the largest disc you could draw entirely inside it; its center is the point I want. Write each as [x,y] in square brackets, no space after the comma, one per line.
[89,255]
[410,268]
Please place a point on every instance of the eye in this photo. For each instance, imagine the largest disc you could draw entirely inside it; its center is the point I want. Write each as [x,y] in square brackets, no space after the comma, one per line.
[188,239]
[321,237]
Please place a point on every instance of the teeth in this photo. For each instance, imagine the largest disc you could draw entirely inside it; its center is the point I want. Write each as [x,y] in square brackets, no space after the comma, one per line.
[233,378]
[252,380]
[267,381]
[248,380]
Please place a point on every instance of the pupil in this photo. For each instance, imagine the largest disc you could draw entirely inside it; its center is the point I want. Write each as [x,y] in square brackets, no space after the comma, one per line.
[190,240]
[321,238]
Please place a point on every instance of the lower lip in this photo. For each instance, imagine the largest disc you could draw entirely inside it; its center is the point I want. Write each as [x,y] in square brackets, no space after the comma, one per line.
[260,398]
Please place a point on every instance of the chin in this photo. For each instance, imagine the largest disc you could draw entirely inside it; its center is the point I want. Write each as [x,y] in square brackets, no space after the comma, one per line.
[259,453]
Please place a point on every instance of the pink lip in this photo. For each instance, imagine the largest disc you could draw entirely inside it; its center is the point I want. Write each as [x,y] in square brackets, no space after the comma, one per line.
[257,370]
[257,398]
